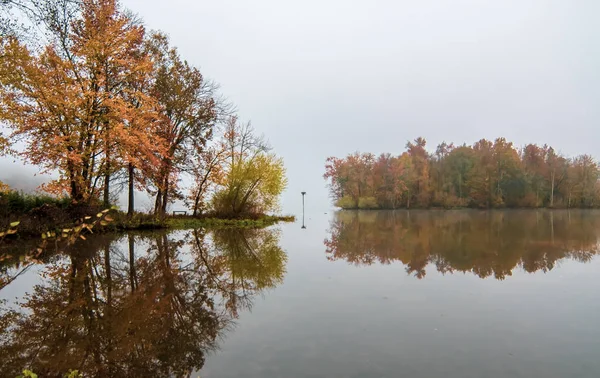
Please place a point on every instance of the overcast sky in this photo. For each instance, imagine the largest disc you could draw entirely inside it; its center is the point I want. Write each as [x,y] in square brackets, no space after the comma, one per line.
[329,77]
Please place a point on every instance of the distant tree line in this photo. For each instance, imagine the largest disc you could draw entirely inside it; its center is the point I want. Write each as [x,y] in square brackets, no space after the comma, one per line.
[485,175]
[89,94]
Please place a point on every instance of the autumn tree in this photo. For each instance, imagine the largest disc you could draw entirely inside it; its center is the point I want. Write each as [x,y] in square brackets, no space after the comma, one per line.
[337,176]
[420,162]
[440,179]
[583,182]
[389,180]
[459,163]
[485,175]
[556,172]
[207,172]
[534,165]
[188,112]
[71,103]
[253,177]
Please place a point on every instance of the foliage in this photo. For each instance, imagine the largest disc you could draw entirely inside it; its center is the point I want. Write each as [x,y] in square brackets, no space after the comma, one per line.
[485,175]
[19,202]
[367,203]
[346,202]
[188,110]
[27,374]
[4,188]
[99,101]
[253,178]
[73,374]
[73,104]
[207,172]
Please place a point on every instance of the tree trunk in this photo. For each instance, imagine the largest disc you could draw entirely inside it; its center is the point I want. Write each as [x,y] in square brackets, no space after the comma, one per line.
[107,171]
[158,202]
[552,227]
[75,192]
[552,191]
[75,195]
[131,205]
[165,199]
[196,203]
[106,189]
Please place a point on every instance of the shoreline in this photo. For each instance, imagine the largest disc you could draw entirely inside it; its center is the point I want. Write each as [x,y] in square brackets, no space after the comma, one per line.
[31,227]
[471,208]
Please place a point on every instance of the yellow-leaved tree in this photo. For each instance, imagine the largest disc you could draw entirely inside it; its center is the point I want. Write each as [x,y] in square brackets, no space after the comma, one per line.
[254,177]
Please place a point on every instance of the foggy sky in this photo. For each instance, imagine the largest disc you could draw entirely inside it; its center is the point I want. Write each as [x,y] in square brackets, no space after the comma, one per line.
[330,77]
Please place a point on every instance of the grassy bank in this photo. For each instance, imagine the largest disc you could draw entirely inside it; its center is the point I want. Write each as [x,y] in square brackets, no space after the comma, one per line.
[183,222]
[140,221]
[33,225]
[40,214]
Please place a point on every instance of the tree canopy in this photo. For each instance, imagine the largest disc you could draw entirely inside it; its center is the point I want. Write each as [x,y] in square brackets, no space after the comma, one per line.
[485,175]
[101,102]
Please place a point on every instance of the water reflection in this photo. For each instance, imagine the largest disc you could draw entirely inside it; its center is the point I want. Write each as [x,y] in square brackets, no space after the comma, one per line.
[132,306]
[486,243]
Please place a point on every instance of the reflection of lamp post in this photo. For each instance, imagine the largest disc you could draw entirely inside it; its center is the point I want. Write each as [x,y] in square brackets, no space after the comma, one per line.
[303,194]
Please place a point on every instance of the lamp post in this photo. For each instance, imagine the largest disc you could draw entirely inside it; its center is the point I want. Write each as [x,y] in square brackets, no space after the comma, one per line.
[303,194]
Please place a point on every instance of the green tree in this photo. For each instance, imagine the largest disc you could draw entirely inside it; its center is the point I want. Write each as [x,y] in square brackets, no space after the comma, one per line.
[459,164]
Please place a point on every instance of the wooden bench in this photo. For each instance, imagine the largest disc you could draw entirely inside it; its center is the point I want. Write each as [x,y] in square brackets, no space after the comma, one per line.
[179,212]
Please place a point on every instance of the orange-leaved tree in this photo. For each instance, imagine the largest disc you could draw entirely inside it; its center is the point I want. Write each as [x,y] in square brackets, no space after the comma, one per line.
[188,112]
[72,103]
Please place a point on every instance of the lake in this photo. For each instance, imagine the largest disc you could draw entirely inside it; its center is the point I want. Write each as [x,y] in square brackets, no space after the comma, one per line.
[460,294]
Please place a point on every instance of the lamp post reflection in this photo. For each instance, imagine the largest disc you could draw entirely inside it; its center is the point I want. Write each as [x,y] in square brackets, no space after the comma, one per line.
[303,194]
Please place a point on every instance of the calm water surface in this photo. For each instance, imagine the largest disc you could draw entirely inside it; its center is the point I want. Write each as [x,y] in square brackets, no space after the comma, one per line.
[355,294]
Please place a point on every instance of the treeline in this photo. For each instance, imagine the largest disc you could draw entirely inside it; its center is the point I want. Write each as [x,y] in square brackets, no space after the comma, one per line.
[485,175]
[109,106]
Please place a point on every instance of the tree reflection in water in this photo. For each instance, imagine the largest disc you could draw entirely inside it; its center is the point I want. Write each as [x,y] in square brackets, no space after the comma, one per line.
[485,243]
[146,305]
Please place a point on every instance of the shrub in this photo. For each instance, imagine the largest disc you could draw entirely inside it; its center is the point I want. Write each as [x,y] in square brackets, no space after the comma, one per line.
[529,200]
[367,203]
[346,203]
[18,202]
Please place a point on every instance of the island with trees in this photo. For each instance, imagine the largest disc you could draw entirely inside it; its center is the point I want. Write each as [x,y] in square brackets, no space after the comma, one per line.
[485,175]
